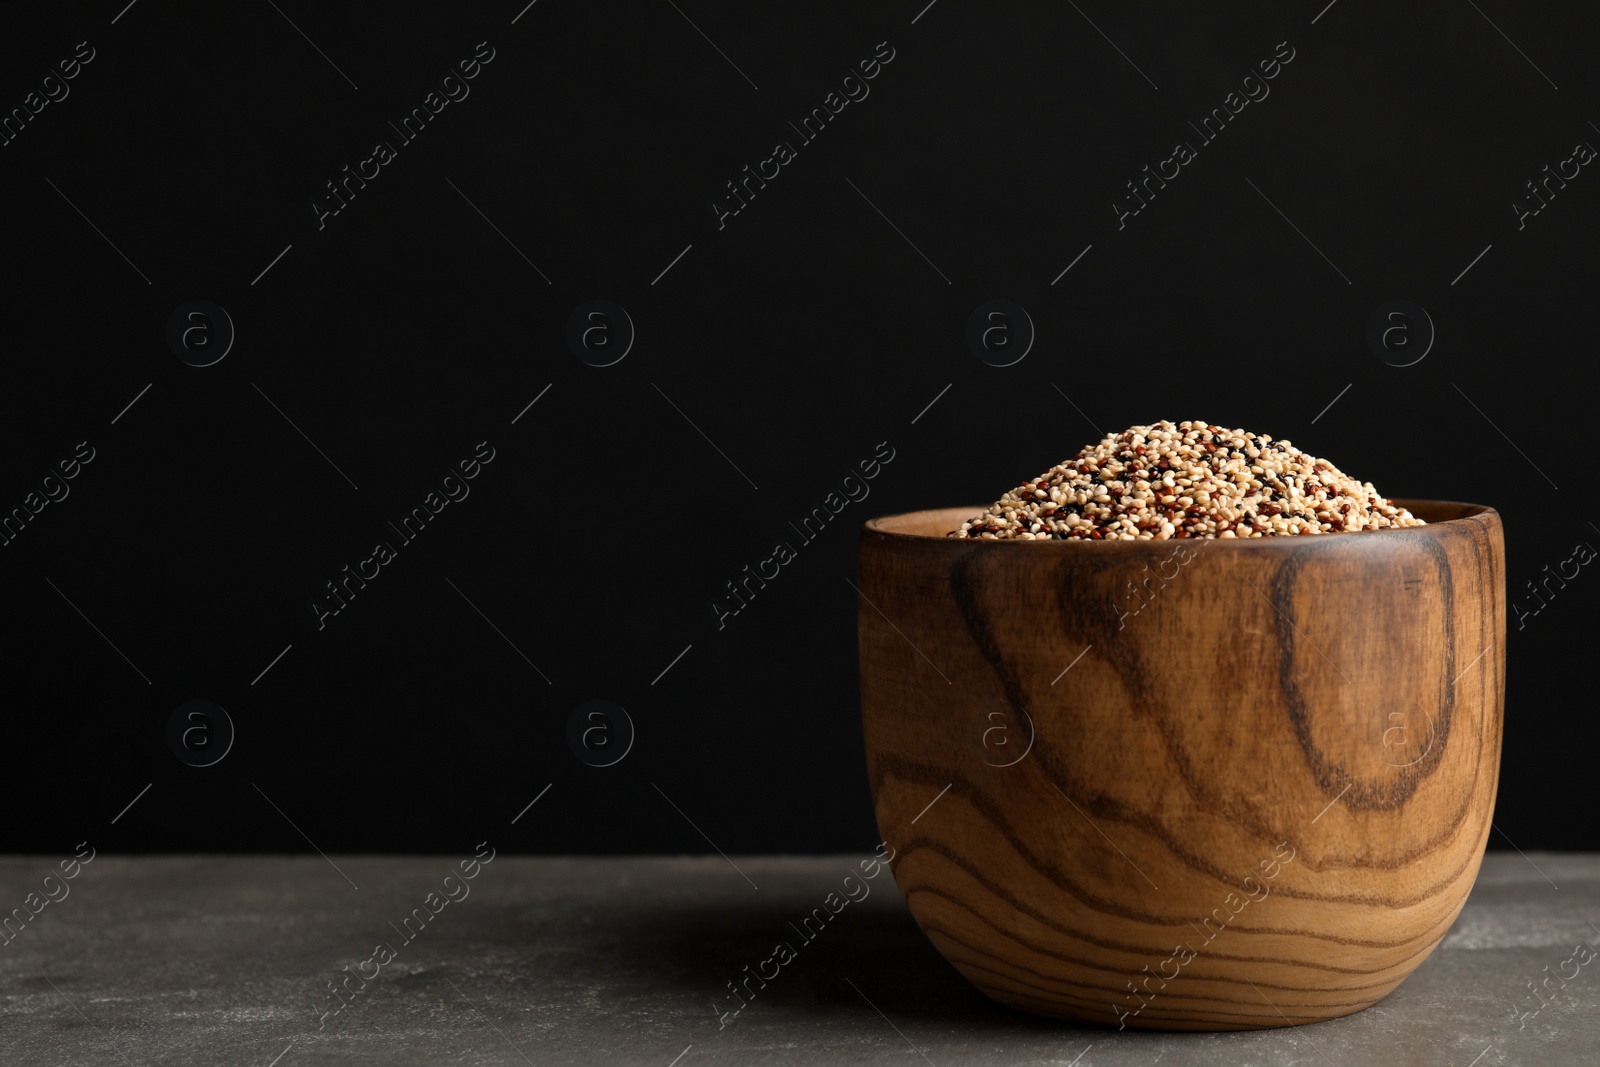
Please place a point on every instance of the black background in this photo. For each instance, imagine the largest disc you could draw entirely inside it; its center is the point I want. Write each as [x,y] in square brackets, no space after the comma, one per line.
[797,338]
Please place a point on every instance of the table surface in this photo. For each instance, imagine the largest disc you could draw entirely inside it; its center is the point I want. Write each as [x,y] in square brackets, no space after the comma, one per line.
[208,960]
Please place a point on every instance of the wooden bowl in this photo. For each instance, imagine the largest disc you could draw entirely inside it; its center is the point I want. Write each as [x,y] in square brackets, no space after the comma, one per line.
[1185,785]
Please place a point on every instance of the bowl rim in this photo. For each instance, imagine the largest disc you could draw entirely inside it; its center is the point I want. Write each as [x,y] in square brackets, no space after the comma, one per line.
[1465,513]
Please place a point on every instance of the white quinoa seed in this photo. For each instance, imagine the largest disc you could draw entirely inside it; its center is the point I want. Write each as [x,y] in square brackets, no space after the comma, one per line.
[1191,479]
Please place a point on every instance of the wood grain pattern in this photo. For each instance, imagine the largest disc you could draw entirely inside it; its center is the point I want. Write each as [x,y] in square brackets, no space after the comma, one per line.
[1246,787]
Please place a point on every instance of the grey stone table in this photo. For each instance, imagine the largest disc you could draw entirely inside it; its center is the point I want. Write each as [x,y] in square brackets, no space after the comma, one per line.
[626,961]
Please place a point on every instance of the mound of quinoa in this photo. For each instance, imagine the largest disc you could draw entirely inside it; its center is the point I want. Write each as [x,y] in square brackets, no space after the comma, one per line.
[1192,479]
